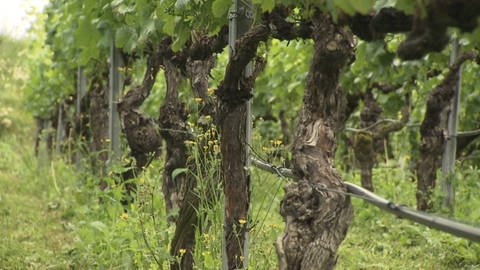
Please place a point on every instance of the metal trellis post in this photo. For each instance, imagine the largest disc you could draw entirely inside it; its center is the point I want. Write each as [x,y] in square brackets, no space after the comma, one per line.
[113,95]
[81,89]
[448,159]
[241,16]
[60,130]
[81,92]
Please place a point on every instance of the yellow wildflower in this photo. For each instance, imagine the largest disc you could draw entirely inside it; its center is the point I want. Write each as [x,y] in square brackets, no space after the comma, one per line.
[124,216]
[188,142]
[198,100]
[210,90]
[182,251]
[242,221]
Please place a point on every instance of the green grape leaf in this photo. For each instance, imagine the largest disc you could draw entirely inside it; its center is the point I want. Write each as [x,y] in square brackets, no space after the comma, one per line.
[122,35]
[408,6]
[124,9]
[346,6]
[182,35]
[220,7]
[169,26]
[266,5]
[362,6]
[181,3]
[86,37]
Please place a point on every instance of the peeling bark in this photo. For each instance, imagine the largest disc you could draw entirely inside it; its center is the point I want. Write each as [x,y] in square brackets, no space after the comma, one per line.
[427,28]
[285,30]
[376,26]
[369,142]
[40,126]
[317,220]
[172,121]
[81,124]
[432,134]
[233,94]
[98,118]
[140,130]
[189,217]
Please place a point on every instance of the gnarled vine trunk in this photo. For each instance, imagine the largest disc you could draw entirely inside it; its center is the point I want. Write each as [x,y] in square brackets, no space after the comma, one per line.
[140,130]
[197,67]
[317,219]
[433,136]
[233,94]
[189,216]
[98,119]
[173,116]
[369,142]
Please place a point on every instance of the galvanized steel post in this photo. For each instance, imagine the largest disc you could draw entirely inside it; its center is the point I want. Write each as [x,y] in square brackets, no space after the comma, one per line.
[241,16]
[115,84]
[449,154]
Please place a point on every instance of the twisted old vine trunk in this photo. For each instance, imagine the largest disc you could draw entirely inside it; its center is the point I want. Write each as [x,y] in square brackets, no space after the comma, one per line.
[196,62]
[173,116]
[140,130]
[189,217]
[369,141]
[233,94]
[316,219]
[98,118]
[433,136]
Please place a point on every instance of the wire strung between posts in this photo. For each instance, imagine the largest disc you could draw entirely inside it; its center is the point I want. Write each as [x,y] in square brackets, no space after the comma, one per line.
[436,222]
[372,125]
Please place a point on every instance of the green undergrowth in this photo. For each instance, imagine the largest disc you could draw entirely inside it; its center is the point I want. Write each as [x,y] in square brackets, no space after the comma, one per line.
[378,240]
[32,231]
[54,216]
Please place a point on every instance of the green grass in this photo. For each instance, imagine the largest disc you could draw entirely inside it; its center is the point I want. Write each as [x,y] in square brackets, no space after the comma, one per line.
[32,229]
[53,216]
[378,240]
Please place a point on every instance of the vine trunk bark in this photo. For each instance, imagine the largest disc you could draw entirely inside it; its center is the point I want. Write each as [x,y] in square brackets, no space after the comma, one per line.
[190,215]
[98,118]
[172,120]
[233,94]
[140,130]
[316,217]
[433,136]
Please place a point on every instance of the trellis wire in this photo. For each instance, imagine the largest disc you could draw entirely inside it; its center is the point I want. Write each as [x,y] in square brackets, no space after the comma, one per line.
[435,222]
